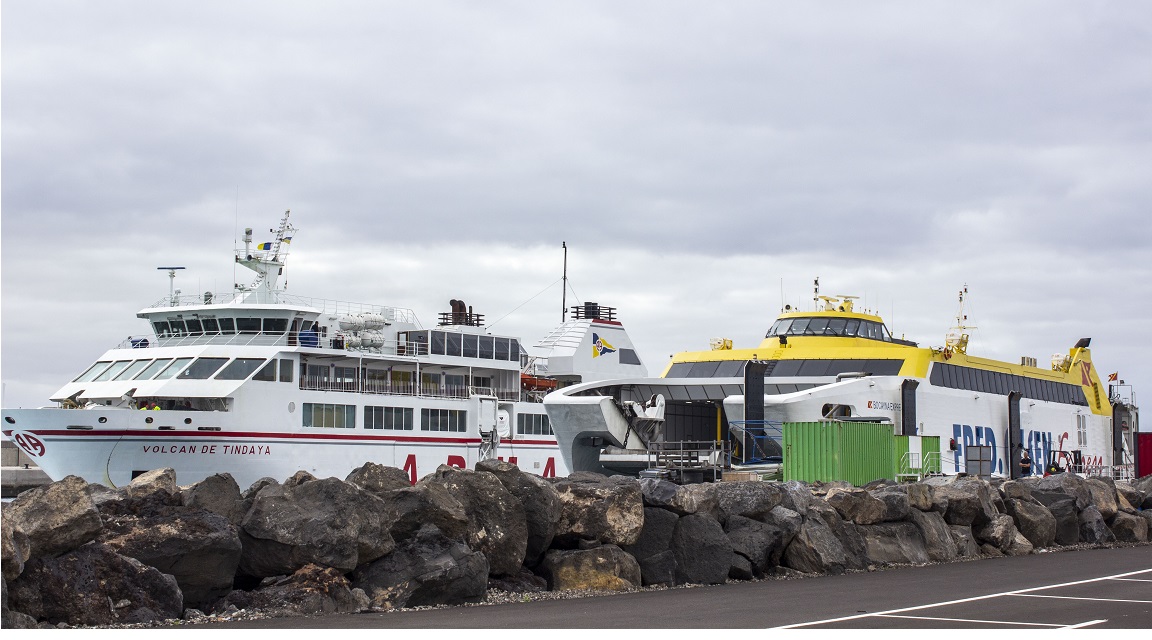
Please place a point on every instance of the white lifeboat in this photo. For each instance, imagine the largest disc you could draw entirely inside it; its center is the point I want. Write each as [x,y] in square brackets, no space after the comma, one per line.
[372,339]
[351,323]
[372,321]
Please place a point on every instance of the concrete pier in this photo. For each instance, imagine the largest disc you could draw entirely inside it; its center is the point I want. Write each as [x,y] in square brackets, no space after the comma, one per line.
[18,473]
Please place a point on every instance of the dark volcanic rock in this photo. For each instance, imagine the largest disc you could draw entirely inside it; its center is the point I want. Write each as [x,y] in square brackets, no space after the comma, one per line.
[747,499]
[426,504]
[218,494]
[655,540]
[15,546]
[895,542]
[426,569]
[312,590]
[326,522]
[609,510]
[1034,521]
[498,525]
[761,543]
[815,549]
[57,518]
[93,585]
[540,501]
[379,479]
[1093,529]
[200,549]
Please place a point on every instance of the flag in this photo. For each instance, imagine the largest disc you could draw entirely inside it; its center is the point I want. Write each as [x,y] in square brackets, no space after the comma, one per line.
[264,246]
[288,240]
[1113,376]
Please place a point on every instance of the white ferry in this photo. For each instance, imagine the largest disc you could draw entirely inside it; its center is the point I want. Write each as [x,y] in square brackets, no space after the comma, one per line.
[835,363]
[260,383]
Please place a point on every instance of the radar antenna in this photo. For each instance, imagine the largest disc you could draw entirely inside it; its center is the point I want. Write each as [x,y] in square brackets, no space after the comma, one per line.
[173,292]
[267,260]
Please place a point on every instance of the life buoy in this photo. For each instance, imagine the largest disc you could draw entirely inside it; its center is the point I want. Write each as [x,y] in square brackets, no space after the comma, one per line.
[947,354]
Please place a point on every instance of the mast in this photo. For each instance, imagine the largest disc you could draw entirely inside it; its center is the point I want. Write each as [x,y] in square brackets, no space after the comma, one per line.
[564,295]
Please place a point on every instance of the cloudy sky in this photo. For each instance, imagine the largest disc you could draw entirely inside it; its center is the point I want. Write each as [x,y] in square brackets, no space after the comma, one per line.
[703,161]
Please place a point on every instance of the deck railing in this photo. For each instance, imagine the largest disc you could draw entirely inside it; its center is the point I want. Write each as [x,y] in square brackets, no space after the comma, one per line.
[390,388]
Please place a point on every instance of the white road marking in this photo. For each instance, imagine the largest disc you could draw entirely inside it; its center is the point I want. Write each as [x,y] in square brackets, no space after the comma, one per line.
[1030,624]
[964,600]
[1132,580]
[1037,595]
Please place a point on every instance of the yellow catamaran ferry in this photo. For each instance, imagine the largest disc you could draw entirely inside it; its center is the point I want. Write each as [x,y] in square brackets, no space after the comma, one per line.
[837,363]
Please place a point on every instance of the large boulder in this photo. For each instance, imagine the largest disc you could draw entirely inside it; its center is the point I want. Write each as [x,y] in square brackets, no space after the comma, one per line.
[1129,528]
[894,543]
[655,544]
[1093,529]
[1067,517]
[311,590]
[857,505]
[1033,520]
[998,532]
[1069,484]
[412,508]
[896,502]
[748,499]
[56,517]
[1019,546]
[14,545]
[815,549]
[200,549]
[326,522]
[938,540]
[498,527]
[540,501]
[94,586]
[703,553]
[796,496]
[852,541]
[969,501]
[1131,495]
[425,569]
[218,494]
[679,499]
[603,568]
[1103,493]
[378,479]
[607,510]
[758,542]
[966,545]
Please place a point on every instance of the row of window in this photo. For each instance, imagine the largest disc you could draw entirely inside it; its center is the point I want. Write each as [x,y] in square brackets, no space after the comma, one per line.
[968,378]
[785,368]
[175,327]
[188,369]
[343,416]
[465,345]
[845,327]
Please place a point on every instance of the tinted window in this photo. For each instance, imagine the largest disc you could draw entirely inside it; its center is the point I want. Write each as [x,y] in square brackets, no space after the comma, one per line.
[799,325]
[787,368]
[116,368]
[814,368]
[285,370]
[210,325]
[248,325]
[679,370]
[227,325]
[267,374]
[93,371]
[628,356]
[202,368]
[851,327]
[730,369]
[173,368]
[194,327]
[239,369]
[513,349]
[486,347]
[471,345]
[161,328]
[836,326]
[453,344]
[133,369]
[153,368]
[501,348]
[816,327]
[703,369]
[275,325]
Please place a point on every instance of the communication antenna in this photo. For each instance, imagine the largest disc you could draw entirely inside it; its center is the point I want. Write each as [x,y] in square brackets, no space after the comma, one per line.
[564,294]
[172,299]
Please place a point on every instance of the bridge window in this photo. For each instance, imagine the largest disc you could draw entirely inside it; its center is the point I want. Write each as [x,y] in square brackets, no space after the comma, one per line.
[227,325]
[267,373]
[248,325]
[132,369]
[173,368]
[93,371]
[153,368]
[202,368]
[211,326]
[239,369]
[110,372]
[275,325]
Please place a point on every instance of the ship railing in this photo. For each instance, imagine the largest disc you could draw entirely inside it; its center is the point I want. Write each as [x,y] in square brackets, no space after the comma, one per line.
[1123,472]
[390,388]
[259,339]
[390,314]
[691,460]
[915,466]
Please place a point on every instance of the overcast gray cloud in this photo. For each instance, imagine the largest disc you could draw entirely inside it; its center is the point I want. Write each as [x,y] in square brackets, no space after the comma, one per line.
[697,157]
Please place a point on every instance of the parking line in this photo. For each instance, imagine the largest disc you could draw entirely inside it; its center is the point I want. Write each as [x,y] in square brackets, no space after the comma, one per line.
[1131,579]
[1037,595]
[1030,624]
[964,600]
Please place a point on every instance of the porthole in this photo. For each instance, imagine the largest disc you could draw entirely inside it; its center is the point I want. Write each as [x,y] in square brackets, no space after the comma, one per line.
[147,420]
[291,407]
[187,420]
[103,419]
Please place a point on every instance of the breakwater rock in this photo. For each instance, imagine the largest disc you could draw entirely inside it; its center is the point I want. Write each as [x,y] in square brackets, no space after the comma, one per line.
[81,554]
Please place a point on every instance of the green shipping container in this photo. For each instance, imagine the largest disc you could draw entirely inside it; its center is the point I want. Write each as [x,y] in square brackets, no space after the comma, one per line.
[855,452]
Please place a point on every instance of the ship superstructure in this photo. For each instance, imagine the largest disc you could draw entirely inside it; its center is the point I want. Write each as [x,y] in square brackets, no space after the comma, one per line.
[837,363]
[260,383]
